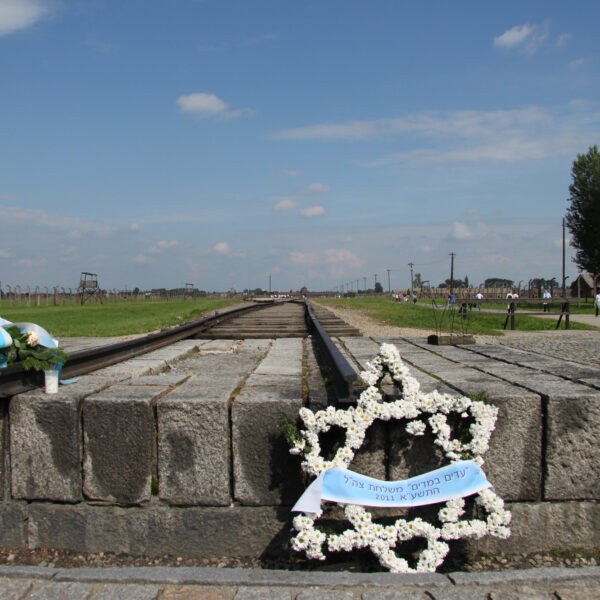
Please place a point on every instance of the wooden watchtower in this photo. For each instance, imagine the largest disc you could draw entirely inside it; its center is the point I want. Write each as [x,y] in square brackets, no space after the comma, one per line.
[88,287]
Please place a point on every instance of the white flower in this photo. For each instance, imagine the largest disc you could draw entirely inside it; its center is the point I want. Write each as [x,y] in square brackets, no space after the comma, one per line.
[416,427]
[32,338]
[417,408]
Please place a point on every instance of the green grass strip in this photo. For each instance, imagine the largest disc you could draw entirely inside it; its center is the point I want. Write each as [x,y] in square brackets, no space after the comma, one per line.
[112,318]
[420,316]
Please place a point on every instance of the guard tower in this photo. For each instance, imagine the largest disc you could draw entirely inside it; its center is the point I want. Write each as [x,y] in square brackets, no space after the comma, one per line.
[88,287]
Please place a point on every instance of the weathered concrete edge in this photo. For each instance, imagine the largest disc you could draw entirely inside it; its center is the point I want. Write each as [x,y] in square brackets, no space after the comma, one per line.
[221,577]
[259,577]
[529,576]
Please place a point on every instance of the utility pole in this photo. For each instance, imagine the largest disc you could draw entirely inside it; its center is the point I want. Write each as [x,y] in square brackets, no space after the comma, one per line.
[412,292]
[365,283]
[357,286]
[452,255]
[564,293]
[375,282]
[389,286]
[269,284]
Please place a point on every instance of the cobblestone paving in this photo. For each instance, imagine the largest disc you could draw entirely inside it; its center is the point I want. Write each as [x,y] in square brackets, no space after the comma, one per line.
[577,346]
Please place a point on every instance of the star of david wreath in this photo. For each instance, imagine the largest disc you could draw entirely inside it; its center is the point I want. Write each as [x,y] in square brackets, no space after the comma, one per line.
[418,410]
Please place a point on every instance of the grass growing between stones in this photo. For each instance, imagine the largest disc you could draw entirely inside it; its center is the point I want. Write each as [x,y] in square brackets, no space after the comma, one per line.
[420,316]
[112,318]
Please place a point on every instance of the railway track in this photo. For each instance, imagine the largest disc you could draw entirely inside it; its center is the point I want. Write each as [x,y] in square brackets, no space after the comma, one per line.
[268,320]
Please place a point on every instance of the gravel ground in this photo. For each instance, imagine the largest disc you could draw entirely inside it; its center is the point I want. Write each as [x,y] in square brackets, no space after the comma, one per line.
[580,346]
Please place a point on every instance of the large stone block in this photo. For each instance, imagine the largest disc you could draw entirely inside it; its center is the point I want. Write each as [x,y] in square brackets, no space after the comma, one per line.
[546,526]
[45,445]
[513,461]
[573,447]
[194,456]
[118,428]
[264,471]
[13,525]
[370,458]
[157,530]
[284,358]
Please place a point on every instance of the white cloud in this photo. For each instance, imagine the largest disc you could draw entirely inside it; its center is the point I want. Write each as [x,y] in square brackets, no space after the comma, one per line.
[161,246]
[285,203]
[499,259]
[286,173]
[344,257]
[528,37]
[515,36]
[30,263]
[520,134]
[315,188]
[222,248]
[462,231]
[576,64]
[208,105]
[142,259]
[562,39]
[134,227]
[20,14]
[313,211]
[71,226]
[304,258]
[5,254]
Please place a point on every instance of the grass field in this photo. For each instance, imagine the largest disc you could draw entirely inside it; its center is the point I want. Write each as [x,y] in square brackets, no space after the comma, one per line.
[112,318]
[421,316]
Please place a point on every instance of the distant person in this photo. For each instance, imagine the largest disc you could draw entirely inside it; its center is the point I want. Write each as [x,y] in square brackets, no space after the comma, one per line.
[479,297]
[597,303]
[414,298]
[510,297]
[547,296]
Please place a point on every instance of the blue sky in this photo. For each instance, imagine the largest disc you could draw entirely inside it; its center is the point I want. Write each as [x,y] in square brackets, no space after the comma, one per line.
[214,142]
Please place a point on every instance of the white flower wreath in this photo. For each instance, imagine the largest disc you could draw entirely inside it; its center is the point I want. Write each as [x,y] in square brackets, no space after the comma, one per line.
[419,409]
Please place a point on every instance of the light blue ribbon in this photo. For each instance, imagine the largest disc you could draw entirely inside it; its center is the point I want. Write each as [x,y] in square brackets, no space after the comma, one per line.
[347,487]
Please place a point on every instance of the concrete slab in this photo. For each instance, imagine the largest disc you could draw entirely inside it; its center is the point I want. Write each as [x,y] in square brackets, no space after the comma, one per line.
[13,532]
[220,346]
[283,358]
[135,367]
[163,379]
[573,447]
[118,434]
[264,471]
[194,456]
[45,444]
[546,526]
[157,530]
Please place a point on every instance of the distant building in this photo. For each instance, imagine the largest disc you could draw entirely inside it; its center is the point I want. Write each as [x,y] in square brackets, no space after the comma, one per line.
[585,285]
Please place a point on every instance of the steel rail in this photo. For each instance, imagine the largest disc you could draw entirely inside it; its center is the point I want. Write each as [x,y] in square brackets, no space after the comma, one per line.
[346,376]
[15,379]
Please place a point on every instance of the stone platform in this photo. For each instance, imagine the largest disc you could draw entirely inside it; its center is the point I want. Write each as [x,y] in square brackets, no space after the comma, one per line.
[180,451]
